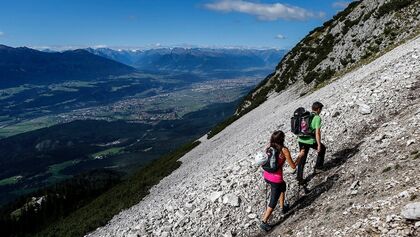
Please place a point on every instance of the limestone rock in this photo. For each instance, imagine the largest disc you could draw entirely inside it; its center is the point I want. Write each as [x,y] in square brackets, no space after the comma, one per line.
[231,199]
[252,216]
[214,196]
[364,109]
[411,211]
[409,142]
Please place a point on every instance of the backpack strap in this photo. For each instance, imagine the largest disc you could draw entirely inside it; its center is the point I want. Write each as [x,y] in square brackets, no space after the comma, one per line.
[311,117]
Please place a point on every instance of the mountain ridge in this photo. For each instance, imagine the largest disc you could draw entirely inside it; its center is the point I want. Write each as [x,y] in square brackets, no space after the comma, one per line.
[25,65]
[193,59]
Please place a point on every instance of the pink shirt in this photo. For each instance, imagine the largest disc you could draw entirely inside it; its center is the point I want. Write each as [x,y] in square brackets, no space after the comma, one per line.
[276,177]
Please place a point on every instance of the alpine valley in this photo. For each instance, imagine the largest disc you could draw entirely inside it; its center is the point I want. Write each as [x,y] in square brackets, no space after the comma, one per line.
[207,113]
[67,113]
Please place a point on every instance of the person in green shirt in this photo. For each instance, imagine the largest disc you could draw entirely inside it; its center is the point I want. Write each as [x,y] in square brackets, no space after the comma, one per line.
[314,142]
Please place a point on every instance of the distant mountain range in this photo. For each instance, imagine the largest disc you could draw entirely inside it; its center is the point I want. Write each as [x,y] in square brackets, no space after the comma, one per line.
[193,59]
[24,65]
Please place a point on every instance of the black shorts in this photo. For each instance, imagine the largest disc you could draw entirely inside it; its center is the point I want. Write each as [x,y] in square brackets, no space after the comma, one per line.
[276,190]
[307,146]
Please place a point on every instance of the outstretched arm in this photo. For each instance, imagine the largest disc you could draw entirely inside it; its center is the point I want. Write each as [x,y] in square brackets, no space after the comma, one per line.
[288,158]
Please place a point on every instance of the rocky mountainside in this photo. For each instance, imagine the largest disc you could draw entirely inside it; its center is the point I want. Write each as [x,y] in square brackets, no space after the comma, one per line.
[364,30]
[370,127]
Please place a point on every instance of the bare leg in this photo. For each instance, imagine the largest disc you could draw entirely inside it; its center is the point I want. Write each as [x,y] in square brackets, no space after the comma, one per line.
[267,214]
[281,199]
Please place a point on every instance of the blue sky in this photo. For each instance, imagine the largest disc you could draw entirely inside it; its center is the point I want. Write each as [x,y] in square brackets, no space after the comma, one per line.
[145,23]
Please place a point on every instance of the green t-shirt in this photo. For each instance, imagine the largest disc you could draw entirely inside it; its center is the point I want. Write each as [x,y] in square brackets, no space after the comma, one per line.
[316,123]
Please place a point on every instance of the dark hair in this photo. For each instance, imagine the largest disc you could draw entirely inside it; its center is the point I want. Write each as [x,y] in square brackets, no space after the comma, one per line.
[277,140]
[317,105]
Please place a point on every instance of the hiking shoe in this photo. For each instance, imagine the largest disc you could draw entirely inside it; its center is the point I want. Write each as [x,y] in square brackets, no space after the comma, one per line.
[301,181]
[265,226]
[306,190]
[285,208]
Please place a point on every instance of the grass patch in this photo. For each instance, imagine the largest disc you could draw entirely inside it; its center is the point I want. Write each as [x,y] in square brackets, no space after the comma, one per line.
[311,211]
[55,170]
[392,6]
[386,169]
[328,210]
[415,154]
[108,152]
[9,92]
[116,88]
[122,196]
[27,126]
[10,180]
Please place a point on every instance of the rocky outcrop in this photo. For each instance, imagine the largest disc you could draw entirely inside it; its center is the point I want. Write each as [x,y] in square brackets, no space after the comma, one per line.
[371,171]
[411,211]
[354,36]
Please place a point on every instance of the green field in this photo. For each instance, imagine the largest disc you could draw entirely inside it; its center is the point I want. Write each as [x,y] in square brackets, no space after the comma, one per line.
[10,92]
[116,88]
[107,152]
[70,86]
[28,125]
[11,180]
[57,168]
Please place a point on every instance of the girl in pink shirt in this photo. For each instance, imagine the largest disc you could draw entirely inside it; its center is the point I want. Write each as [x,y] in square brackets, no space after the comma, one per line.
[275,179]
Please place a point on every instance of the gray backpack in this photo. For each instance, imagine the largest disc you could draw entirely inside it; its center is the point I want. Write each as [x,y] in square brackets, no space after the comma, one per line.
[272,164]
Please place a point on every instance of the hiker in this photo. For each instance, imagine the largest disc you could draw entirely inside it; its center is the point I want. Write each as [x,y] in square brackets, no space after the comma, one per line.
[311,141]
[275,179]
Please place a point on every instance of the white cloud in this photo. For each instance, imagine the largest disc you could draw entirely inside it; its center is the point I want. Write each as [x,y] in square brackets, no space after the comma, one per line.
[265,12]
[1,33]
[340,4]
[98,46]
[280,36]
